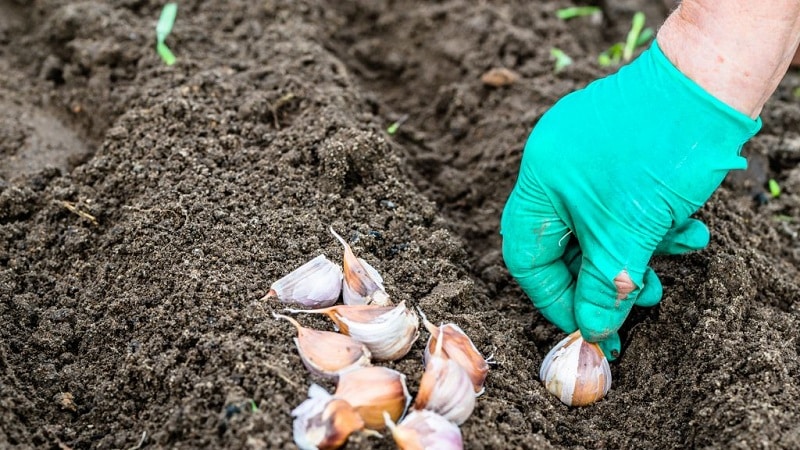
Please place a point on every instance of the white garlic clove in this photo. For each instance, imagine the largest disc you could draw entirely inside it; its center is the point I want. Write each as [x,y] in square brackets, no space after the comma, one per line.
[372,391]
[315,284]
[421,430]
[445,387]
[323,422]
[388,331]
[327,353]
[460,348]
[576,371]
[362,283]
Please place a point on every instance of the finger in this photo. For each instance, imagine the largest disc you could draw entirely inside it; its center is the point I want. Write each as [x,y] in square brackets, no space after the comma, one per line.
[611,346]
[651,292]
[685,237]
[602,305]
[533,243]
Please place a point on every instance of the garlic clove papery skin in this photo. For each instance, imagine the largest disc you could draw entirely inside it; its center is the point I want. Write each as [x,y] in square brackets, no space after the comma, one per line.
[388,336]
[326,353]
[353,313]
[460,348]
[388,331]
[425,430]
[576,371]
[323,422]
[315,284]
[363,284]
[373,391]
[445,387]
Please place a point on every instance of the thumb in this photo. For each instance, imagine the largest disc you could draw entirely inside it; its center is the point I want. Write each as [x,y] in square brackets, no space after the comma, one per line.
[684,237]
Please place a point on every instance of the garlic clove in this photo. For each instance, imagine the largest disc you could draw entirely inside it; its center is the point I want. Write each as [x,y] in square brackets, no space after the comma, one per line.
[388,331]
[323,422]
[460,348]
[353,313]
[576,371]
[422,430]
[373,391]
[327,353]
[445,387]
[315,284]
[362,283]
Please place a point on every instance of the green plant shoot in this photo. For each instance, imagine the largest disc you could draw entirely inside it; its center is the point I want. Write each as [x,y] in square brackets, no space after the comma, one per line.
[163,28]
[577,11]
[562,59]
[392,129]
[796,92]
[637,25]
[611,56]
[774,188]
[645,37]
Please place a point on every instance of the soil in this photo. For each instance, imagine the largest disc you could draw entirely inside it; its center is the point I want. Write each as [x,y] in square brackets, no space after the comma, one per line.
[145,209]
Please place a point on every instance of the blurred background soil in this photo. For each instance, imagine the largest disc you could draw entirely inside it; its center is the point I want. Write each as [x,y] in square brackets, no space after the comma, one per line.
[146,209]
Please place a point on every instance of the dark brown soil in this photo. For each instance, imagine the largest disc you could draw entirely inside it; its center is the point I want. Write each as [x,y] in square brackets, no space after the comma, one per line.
[146,209]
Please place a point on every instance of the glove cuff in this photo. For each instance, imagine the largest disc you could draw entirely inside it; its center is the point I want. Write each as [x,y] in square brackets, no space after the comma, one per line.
[735,126]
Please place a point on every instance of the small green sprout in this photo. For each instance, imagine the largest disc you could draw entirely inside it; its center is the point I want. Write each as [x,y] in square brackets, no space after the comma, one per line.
[796,92]
[163,28]
[774,188]
[637,25]
[562,59]
[611,56]
[253,406]
[577,11]
[623,51]
[396,126]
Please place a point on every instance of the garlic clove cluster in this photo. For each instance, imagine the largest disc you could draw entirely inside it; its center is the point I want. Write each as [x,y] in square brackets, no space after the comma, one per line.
[363,284]
[459,347]
[421,430]
[373,391]
[324,422]
[446,387]
[576,371]
[315,284]
[387,331]
[327,353]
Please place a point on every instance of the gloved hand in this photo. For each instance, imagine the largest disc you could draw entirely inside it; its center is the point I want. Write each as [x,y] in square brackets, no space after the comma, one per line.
[610,175]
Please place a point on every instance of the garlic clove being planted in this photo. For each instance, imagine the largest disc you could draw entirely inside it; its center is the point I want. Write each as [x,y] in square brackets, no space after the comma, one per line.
[323,422]
[387,331]
[315,284]
[327,353]
[363,284]
[460,348]
[445,387]
[422,430]
[373,391]
[576,371]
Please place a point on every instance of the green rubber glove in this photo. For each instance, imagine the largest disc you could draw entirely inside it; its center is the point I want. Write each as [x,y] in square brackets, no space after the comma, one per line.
[609,176]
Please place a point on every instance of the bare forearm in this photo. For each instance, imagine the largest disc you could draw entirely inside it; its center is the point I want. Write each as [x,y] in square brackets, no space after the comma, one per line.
[737,50]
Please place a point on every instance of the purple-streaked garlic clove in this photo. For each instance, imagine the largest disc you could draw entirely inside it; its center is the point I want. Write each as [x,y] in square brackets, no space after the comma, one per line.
[576,371]
[445,387]
[460,348]
[327,353]
[372,391]
[363,285]
[388,331]
[324,422]
[421,430]
[315,284]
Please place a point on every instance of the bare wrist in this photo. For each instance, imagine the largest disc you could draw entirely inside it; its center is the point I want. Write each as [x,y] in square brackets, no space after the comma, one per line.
[738,50]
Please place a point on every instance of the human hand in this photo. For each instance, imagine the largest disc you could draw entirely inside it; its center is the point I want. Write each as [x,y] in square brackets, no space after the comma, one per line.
[609,176]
